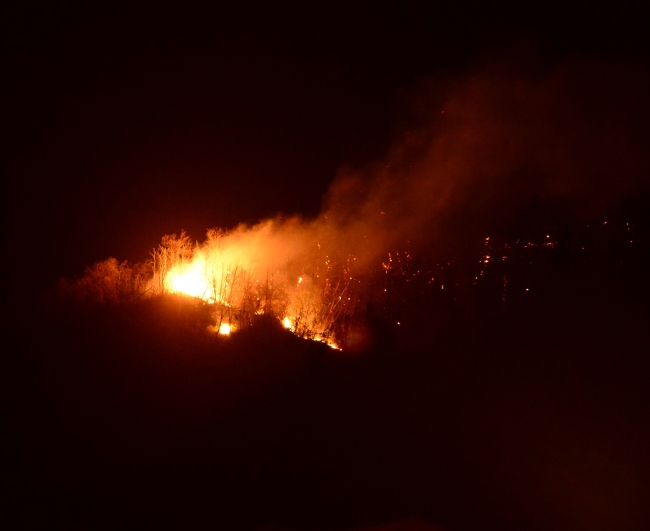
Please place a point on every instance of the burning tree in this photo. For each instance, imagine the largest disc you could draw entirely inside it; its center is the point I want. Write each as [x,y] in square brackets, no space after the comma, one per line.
[172,253]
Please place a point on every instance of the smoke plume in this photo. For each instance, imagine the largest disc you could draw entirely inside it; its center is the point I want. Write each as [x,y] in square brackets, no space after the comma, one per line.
[479,150]
[480,153]
[491,144]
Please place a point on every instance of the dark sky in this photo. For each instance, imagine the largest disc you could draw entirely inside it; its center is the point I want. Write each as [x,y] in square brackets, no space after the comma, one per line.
[127,122]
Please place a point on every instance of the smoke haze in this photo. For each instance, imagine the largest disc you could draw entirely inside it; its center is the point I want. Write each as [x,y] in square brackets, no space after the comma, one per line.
[481,150]
[575,137]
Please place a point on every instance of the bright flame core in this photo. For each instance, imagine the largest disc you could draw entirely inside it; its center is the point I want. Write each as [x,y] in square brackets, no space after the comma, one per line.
[224,329]
[190,279]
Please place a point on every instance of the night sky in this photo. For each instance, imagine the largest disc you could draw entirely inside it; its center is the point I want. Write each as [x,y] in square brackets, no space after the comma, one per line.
[127,122]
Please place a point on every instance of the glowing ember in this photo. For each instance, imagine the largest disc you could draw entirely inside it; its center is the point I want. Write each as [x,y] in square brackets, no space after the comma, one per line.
[224,329]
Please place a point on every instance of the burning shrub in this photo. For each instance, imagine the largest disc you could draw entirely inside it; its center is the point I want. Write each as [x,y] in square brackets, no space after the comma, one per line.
[109,282]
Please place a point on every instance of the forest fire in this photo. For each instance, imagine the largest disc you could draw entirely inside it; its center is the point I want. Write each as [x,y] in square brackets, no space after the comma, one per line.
[251,272]
[401,239]
[317,292]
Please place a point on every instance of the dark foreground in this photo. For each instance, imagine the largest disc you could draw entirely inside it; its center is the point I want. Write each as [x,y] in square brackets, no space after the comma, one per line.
[531,417]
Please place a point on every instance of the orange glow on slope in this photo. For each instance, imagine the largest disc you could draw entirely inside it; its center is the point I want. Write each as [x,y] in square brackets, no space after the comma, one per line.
[328,342]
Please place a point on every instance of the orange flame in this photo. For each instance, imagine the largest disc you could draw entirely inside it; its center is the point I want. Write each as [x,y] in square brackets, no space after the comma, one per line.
[248,272]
